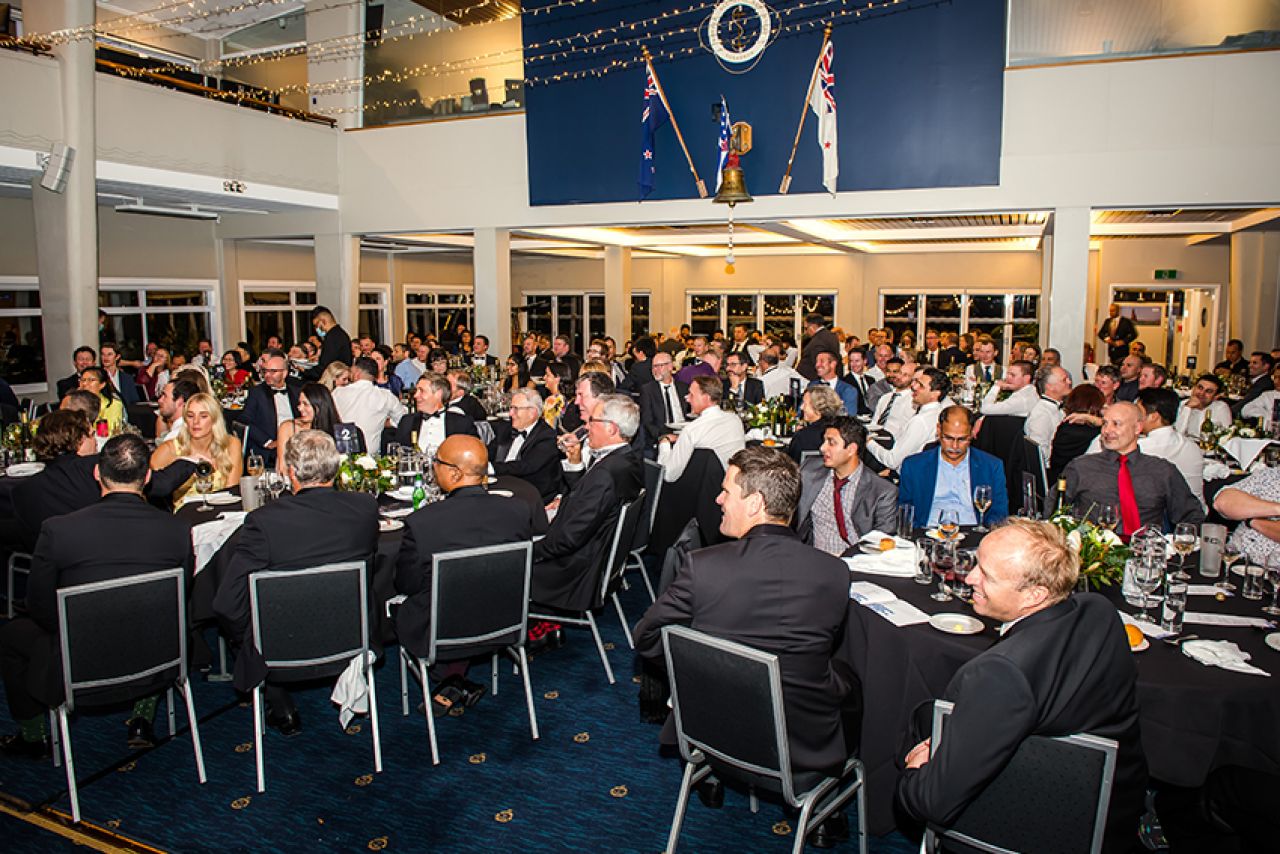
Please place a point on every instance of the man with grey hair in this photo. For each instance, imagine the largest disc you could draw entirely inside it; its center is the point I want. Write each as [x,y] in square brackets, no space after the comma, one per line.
[527,448]
[601,478]
[714,429]
[1053,384]
[316,525]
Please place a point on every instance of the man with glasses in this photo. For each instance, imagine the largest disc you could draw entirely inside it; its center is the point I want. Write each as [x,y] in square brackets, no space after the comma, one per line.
[430,424]
[944,478]
[527,448]
[601,478]
[662,402]
[271,403]
[740,389]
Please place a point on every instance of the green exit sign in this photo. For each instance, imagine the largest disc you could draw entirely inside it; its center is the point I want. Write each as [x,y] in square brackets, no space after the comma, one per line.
[1166,274]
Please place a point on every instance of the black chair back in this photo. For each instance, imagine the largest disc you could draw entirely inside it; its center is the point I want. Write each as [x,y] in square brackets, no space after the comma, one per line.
[349,438]
[692,496]
[479,600]
[310,623]
[1051,797]
[1002,436]
[616,558]
[652,494]
[123,636]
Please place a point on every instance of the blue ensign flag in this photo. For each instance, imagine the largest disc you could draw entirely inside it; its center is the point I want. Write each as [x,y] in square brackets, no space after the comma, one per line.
[654,116]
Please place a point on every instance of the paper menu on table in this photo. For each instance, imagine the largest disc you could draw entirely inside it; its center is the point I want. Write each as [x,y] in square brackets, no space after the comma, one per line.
[866,593]
[899,613]
[1202,619]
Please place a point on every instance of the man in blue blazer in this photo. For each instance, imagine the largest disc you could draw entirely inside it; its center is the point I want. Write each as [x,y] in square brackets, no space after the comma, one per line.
[943,476]
[828,368]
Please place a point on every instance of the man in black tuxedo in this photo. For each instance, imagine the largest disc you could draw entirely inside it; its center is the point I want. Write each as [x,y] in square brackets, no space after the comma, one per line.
[83,357]
[117,537]
[1062,666]
[271,403]
[740,344]
[1260,366]
[469,517]
[460,398]
[429,424]
[335,343]
[568,560]
[532,359]
[1117,333]
[525,447]
[740,389]
[317,525]
[861,381]
[640,374]
[562,352]
[480,354]
[663,401]
[123,381]
[820,340]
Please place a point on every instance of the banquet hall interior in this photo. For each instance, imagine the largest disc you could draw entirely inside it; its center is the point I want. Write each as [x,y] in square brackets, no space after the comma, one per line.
[213,173]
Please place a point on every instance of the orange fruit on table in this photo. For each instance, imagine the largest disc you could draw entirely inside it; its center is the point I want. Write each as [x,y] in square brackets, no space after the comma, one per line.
[1135,636]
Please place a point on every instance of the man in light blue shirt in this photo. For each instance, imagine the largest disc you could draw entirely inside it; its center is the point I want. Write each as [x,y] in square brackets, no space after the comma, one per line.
[943,476]
[410,369]
[951,490]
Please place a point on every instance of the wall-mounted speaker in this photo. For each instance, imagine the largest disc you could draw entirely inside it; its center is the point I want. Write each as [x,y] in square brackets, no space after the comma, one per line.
[57,166]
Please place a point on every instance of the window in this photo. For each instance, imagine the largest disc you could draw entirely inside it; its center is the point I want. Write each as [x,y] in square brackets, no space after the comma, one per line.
[373,314]
[772,313]
[284,309]
[173,315]
[431,312]
[639,316]
[580,316]
[1005,317]
[22,337]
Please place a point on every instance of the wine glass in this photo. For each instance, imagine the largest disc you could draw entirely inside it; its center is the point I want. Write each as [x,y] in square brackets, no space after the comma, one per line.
[204,485]
[1108,516]
[1272,570]
[982,503]
[943,560]
[1184,543]
[1147,575]
[254,465]
[1230,554]
[965,559]
[949,523]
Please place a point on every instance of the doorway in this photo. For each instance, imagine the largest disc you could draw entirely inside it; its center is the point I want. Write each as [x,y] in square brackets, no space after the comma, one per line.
[1179,325]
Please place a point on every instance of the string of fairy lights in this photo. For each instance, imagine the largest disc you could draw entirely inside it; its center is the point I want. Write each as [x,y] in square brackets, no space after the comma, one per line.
[669,35]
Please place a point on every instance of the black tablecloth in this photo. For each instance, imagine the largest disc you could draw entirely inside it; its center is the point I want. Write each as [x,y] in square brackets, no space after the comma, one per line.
[1194,718]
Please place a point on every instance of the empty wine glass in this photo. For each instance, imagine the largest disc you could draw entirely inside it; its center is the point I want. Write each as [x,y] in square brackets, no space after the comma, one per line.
[982,503]
[1108,516]
[1147,575]
[1230,554]
[1184,543]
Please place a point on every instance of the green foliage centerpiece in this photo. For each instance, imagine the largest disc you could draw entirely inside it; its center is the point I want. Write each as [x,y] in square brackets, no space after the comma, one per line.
[367,473]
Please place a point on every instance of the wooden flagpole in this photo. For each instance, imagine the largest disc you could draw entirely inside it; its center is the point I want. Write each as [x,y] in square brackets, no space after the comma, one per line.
[804,109]
[702,188]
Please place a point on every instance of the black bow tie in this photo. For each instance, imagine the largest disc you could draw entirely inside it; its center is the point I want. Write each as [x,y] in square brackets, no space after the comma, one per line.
[427,416]
[284,390]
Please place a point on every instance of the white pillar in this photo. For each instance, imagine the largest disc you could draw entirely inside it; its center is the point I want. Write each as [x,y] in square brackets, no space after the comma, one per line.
[617,292]
[338,278]
[67,223]
[1255,290]
[340,64]
[1069,286]
[230,297]
[491,262]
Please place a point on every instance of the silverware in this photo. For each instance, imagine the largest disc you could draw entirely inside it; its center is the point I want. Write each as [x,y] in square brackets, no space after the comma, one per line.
[1180,639]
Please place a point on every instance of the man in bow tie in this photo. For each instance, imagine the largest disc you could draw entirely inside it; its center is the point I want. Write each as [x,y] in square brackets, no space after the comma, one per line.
[529,449]
[429,424]
[271,403]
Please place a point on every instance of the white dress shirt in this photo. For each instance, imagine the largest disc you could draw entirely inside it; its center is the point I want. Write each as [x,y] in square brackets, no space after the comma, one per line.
[1020,403]
[921,429]
[172,432]
[715,429]
[900,408]
[1260,407]
[671,402]
[777,381]
[1168,444]
[1189,420]
[1042,423]
[368,407]
[431,433]
[284,410]
[875,373]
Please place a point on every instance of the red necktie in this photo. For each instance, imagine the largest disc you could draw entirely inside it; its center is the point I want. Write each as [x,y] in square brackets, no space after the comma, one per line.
[836,488]
[1128,501]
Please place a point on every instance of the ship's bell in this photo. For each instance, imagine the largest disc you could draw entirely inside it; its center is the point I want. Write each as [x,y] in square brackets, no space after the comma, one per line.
[733,187]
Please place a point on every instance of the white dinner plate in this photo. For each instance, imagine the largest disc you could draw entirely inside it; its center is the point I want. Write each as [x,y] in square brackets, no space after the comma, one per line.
[24,469]
[385,525]
[956,624]
[1142,647]
[219,499]
[1273,640]
[402,493]
[505,493]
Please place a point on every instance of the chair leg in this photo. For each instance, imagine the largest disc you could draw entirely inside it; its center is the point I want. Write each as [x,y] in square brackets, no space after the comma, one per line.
[802,826]
[528,694]
[753,800]
[223,674]
[426,708]
[682,804]
[404,684]
[56,739]
[173,717]
[622,618]
[373,717]
[185,690]
[604,657]
[862,812]
[259,722]
[9,600]
[644,574]
[495,674]
[64,727]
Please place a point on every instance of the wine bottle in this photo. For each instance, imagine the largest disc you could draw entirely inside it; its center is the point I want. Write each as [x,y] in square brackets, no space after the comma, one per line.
[1062,509]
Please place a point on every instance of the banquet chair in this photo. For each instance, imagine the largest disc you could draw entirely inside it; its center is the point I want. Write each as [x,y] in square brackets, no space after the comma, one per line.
[1051,797]
[729,718]
[19,562]
[241,431]
[111,656]
[653,472]
[309,624]
[805,456]
[610,580]
[479,606]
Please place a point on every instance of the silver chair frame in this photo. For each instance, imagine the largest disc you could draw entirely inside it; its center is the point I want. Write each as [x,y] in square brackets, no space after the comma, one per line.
[14,559]
[815,805]
[259,718]
[933,835]
[436,643]
[635,559]
[62,744]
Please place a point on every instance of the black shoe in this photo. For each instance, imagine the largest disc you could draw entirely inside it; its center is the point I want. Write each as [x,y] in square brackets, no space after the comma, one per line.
[287,725]
[711,792]
[17,747]
[141,734]
[831,832]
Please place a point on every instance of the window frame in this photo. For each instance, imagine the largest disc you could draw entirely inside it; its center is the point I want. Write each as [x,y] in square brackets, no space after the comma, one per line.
[297,286]
[966,293]
[797,298]
[435,291]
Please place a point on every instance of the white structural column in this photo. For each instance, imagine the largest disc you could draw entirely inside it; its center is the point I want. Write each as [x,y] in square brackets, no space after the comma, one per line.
[335,69]
[230,298]
[617,292]
[1069,286]
[67,223]
[1255,290]
[491,263]
[338,278]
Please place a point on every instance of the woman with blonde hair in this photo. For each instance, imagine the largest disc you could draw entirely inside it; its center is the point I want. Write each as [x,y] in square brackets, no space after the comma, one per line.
[204,437]
[335,376]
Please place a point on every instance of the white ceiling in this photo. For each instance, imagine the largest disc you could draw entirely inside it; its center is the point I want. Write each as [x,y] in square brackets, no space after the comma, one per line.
[203,18]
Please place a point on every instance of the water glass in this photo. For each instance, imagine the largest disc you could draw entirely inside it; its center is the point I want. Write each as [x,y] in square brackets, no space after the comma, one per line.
[906,520]
[964,564]
[1211,537]
[1175,605]
[1147,575]
[1272,572]
[924,573]
[1254,577]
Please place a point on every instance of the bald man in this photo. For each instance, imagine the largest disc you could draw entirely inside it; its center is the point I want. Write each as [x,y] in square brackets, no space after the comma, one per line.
[1146,490]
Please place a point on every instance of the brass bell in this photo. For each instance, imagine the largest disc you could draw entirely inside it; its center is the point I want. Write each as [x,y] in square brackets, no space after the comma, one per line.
[733,187]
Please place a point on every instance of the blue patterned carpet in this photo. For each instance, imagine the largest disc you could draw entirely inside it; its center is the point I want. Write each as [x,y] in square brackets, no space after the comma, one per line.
[593,782]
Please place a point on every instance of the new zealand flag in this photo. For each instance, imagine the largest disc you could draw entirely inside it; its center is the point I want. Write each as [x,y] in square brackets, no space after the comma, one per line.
[653,117]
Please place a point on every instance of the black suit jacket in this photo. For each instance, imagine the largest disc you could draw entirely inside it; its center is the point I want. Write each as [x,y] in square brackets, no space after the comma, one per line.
[1128,391]
[771,592]
[67,384]
[1063,670]
[260,416]
[741,350]
[469,407]
[752,394]
[1124,330]
[639,375]
[822,341]
[454,424]
[861,384]
[335,346]
[1256,388]
[567,561]
[316,526]
[469,518]
[118,536]
[653,412]
[538,461]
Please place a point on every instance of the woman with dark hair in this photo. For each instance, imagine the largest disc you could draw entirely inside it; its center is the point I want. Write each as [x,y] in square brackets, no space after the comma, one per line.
[437,361]
[233,375]
[516,375]
[1074,435]
[558,379]
[316,411]
[155,374]
[111,408]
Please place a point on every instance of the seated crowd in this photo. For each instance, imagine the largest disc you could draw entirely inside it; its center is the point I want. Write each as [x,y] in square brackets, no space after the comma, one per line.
[879,426]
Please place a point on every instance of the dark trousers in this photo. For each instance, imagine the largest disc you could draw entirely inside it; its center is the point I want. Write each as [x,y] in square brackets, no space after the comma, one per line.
[21,642]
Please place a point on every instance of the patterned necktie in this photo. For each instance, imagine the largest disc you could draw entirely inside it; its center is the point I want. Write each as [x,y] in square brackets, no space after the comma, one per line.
[884,415]
[1128,500]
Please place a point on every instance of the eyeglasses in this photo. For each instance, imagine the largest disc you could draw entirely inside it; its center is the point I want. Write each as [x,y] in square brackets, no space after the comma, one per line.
[439,462]
[594,420]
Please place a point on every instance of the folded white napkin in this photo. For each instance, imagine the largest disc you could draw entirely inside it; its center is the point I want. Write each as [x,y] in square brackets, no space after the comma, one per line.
[1215,470]
[1207,590]
[397,512]
[1202,619]
[1224,654]
[1151,630]
[899,563]
[351,694]
[25,469]
[207,538]
[1245,451]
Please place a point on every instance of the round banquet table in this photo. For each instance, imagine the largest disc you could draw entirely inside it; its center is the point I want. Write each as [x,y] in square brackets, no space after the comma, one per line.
[1194,718]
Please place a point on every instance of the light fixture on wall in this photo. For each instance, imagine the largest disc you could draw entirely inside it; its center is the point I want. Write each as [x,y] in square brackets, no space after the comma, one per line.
[190,212]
